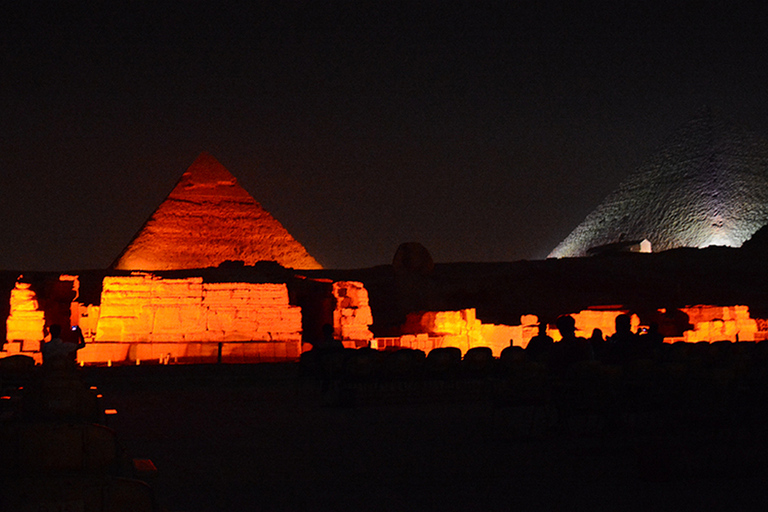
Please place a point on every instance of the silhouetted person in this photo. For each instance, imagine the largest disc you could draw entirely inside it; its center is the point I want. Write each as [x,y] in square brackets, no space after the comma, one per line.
[59,352]
[624,344]
[599,345]
[570,349]
[540,345]
[329,353]
[651,342]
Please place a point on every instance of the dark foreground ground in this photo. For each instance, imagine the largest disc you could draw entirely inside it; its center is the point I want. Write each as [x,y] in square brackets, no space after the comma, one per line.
[259,438]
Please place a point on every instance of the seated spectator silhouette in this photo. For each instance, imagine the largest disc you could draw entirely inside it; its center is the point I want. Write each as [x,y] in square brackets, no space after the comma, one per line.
[539,346]
[570,349]
[624,345]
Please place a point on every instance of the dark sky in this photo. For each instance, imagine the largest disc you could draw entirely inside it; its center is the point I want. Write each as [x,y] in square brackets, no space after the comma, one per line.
[485,131]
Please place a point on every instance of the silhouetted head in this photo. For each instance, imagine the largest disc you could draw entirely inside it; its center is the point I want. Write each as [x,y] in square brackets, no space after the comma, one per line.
[566,325]
[597,334]
[55,330]
[542,328]
[623,323]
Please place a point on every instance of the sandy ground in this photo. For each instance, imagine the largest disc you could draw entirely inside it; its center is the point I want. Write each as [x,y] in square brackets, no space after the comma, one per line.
[258,438]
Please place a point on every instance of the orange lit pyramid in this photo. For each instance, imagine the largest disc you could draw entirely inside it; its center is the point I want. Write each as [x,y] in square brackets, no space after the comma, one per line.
[208,218]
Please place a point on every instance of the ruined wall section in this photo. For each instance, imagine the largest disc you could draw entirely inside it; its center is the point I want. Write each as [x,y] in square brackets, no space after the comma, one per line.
[25,324]
[352,316]
[246,311]
[147,308]
[428,330]
[714,323]
[461,329]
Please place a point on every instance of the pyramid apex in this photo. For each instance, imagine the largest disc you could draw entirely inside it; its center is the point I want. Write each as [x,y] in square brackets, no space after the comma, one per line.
[208,218]
[207,170]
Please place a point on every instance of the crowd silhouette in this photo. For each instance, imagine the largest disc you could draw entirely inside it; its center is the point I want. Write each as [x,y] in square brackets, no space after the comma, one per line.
[627,382]
[621,348]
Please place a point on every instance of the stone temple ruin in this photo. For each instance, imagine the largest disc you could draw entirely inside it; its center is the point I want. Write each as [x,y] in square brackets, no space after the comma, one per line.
[145,311]
[708,185]
[213,277]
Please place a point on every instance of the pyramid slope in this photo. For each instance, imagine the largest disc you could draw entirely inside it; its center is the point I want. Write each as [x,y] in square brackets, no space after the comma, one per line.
[208,218]
[707,186]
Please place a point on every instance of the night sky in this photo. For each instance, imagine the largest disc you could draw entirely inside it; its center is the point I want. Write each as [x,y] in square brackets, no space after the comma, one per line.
[485,131]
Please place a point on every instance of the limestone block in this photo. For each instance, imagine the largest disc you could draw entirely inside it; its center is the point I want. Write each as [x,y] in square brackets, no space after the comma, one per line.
[23,298]
[175,337]
[352,315]
[30,345]
[12,347]
[145,352]
[109,332]
[142,322]
[147,308]
[446,322]
[353,292]
[204,351]
[713,323]
[218,319]
[95,352]
[281,351]
[121,306]
[356,332]
[24,321]
[359,316]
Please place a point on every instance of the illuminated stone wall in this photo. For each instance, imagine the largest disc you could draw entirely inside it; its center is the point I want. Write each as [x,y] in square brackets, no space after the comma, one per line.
[435,329]
[87,317]
[715,323]
[459,329]
[145,317]
[25,324]
[352,315]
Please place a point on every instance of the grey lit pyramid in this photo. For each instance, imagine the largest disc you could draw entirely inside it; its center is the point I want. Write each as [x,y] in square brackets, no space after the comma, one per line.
[208,218]
[708,185]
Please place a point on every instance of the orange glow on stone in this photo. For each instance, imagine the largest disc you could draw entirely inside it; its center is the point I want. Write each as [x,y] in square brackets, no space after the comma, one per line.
[352,315]
[715,323]
[146,317]
[208,218]
[460,329]
[26,321]
[463,330]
